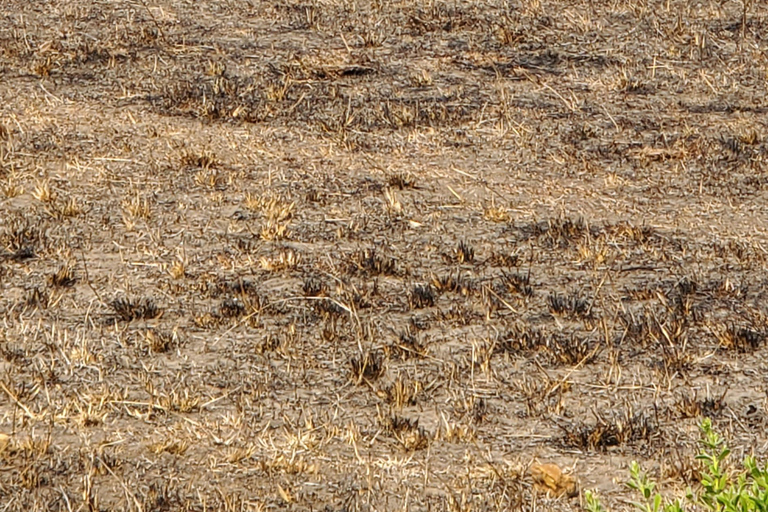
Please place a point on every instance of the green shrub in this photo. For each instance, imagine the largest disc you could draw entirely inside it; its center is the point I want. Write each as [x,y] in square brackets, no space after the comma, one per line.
[721,490]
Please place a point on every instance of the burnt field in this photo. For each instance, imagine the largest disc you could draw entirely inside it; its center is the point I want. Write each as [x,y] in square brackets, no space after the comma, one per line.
[349,255]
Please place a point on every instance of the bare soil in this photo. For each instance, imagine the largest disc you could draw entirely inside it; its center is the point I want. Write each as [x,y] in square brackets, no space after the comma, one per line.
[351,255]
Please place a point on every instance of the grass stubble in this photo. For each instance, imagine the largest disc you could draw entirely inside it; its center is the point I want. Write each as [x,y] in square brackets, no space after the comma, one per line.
[376,256]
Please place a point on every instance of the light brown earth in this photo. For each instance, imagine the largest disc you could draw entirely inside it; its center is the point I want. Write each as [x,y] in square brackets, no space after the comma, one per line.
[348,255]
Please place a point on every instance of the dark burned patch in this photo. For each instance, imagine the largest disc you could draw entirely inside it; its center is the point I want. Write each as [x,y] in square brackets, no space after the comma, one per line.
[214,98]
[314,287]
[464,253]
[572,349]
[238,287]
[64,277]
[460,315]
[559,348]
[741,252]
[401,393]
[637,86]
[368,367]
[409,345]
[402,180]
[479,410]
[497,296]
[503,259]
[572,305]
[457,283]
[314,196]
[741,338]
[22,239]
[12,354]
[517,284]
[628,232]
[192,159]
[521,339]
[654,328]
[408,432]
[129,309]
[422,296]
[362,296]
[22,254]
[622,429]
[685,287]
[443,18]
[156,341]
[541,396]
[681,298]
[689,405]
[36,297]
[330,308]
[560,232]
[371,261]
[231,308]
[306,97]
[732,144]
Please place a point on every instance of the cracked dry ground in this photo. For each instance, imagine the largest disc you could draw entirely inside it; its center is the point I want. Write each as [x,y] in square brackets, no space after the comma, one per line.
[347,255]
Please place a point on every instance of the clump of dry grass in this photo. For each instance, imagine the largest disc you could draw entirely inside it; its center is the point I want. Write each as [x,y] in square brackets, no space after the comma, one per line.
[277,214]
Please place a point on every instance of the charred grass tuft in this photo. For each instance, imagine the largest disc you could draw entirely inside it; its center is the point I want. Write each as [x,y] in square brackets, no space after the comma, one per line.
[572,305]
[129,309]
[422,296]
[372,261]
[368,367]
[615,429]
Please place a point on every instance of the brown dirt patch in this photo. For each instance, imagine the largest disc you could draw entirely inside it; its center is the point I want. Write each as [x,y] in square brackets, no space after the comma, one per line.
[347,255]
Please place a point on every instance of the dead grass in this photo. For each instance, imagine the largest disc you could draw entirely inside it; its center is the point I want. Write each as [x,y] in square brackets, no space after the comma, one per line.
[363,255]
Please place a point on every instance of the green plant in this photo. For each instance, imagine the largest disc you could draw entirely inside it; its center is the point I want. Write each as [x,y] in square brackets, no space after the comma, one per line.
[593,502]
[721,490]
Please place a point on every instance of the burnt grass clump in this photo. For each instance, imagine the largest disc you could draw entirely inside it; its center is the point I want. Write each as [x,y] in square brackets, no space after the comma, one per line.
[455,283]
[742,339]
[371,261]
[521,339]
[464,253]
[368,367]
[231,308]
[409,345]
[21,239]
[503,259]
[64,277]
[654,327]
[402,181]
[558,348]
[313,287]
[422,296]
[689,405]
[129,309]
[559,232]
[408,433]
[238,287]
[330,308]
[572,349]
[618,430]
[518,284]
[572,305]
[36,297]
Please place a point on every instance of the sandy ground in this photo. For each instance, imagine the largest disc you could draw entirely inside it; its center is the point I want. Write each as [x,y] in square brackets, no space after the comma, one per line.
[376,256]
